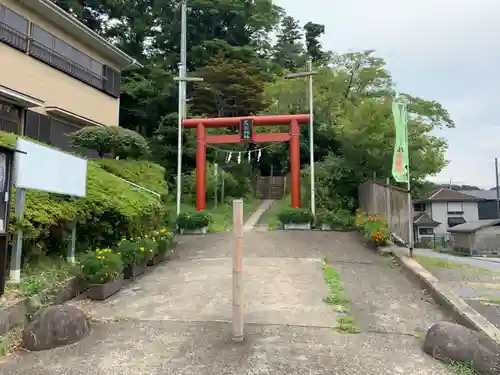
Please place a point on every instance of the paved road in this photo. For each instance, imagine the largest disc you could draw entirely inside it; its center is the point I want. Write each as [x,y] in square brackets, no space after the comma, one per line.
[492,264]
[477,282]
[175,320]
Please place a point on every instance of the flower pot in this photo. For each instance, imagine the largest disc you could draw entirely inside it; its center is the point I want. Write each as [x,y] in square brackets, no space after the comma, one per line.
[100,292]
[202,230]
[298,226]
[158,258]
[131,272]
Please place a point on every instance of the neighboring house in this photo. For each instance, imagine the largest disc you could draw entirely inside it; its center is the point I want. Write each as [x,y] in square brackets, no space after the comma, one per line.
[442,210]
[488,206]
[477,237]
[57,75]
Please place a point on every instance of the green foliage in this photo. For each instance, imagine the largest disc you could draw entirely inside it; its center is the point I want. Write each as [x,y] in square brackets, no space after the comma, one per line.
[135,251]
[232,187]
[193,220]
[373,227]
[117,141]
[110,210]
[140,172]
[295,216]
[289,50]
[101,266]
[340,219]
[233,85]
[164,240]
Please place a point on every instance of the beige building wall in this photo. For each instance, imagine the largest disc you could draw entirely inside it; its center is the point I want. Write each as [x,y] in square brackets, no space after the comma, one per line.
[25,74]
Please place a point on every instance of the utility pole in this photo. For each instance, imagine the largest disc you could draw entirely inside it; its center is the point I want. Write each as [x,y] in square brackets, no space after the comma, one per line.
[309,74]
[182,98]
[497,189]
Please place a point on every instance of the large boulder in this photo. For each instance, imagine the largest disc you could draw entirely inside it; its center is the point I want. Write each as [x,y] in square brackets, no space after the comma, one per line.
[446,341]
[55,326]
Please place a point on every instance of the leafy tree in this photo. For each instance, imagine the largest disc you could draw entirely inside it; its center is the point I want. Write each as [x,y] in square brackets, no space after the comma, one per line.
[115,141]
[313,45]
[354,135]
[233,85]
[289,51]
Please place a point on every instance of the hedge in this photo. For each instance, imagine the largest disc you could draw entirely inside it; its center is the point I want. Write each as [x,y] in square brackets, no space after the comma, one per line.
[140,172]
[111,209]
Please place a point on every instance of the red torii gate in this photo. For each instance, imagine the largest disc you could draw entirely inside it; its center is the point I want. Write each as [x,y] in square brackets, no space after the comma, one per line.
[202,139]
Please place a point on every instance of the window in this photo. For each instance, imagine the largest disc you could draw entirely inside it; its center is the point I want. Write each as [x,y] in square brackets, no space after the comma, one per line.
[59,54]
[426,231]
[13,29]
[37,126]
[419,207]
[53,132]
[454,221]
[112,81]
[455,207]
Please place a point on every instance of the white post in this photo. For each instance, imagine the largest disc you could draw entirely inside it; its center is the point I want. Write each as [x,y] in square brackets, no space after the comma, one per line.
[238,270]
[17,249]
[179,139]
[410,221]
[311,136]
[72,245]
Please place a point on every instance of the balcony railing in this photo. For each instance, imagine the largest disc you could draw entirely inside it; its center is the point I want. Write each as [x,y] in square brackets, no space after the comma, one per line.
[13,37]
[61,62]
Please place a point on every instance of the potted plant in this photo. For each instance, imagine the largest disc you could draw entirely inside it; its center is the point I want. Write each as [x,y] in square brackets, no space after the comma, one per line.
[374,228]
[296,218]
[135,256]
[193,222]
[102,270]
[339,220]
[164,240]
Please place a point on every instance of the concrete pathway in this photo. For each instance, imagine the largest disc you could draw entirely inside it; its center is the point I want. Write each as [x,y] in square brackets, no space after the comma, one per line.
[176,319]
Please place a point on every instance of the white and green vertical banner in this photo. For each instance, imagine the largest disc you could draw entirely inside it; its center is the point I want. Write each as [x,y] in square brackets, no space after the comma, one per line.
[400,162]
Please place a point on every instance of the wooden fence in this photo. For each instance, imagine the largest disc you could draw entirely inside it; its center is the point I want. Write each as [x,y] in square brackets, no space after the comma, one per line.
[389,202]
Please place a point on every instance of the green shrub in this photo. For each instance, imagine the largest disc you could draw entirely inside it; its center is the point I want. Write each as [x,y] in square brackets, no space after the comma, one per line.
[164,239]
[140,172]
[149,244]
[193,220]
[111,209]
[115,140]
[101,266]
[129,144]
[295,216]
[97,138]
[134,252]
[340,219]
[232,187]
[374,228]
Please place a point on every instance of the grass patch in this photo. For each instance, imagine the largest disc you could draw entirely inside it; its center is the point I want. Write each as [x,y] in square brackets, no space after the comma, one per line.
[222,215]
[42,276]
[337,298]
[495,300]
[430,262]
[11,341]
[272,214]
[460,368]
[140,172]
[419,334]
[347,324]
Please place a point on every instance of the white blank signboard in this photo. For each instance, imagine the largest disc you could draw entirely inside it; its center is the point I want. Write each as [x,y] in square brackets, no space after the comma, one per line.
[46,169]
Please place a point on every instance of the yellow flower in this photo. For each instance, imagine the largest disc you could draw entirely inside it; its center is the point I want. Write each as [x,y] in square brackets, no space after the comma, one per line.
[141,248]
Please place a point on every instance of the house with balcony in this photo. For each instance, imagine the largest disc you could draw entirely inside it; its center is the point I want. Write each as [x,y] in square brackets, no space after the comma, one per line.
[57,75]
[441,210]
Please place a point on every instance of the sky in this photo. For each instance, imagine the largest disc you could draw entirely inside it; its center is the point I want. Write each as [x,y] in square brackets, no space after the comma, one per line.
[443,50]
